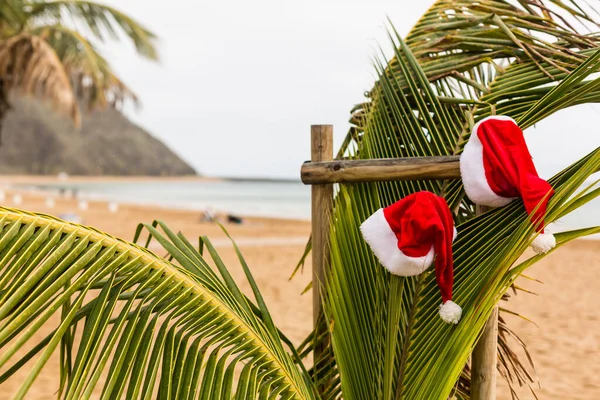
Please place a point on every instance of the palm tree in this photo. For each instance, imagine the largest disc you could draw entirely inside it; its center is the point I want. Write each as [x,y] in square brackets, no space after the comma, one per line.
[138,325]
[47,50]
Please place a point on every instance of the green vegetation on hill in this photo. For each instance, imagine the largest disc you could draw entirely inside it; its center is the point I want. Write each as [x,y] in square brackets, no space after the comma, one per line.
[37,141]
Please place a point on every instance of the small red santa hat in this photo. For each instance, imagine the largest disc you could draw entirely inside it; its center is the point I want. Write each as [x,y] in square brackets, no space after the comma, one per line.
[406,237]
[496,168]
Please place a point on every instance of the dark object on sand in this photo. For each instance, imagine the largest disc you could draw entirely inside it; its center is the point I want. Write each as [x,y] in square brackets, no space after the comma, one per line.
[232,219]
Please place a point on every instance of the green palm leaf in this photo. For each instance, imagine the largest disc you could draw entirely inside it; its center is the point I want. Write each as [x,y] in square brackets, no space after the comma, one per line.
[390,325]
[462,61]
[12,17]
[516,61]
[102,20]
[388,340]
[149,325]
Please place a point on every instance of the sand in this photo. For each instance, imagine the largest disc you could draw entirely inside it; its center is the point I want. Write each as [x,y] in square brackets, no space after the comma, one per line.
[565,344]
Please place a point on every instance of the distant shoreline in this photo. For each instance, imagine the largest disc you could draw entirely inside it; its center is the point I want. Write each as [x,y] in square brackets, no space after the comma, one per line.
[45,179]
[277,199]
[267,180]
[42,179]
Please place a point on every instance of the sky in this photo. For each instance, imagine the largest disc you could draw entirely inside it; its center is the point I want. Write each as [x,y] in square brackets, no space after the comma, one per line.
[240,82]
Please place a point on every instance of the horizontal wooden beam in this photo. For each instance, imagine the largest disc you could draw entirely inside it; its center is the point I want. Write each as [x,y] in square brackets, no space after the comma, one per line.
[382,169]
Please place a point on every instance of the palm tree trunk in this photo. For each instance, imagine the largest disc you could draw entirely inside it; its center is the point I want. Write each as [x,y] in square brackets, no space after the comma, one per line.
[4,106]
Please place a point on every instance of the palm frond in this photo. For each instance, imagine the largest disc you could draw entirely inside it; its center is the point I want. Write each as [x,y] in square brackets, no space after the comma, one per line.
[12,18]
[464,47]
[460,36]
[34,43]
[389,325]
[383,322]
[100,19]
[151,326]
[30,66]
[94,81]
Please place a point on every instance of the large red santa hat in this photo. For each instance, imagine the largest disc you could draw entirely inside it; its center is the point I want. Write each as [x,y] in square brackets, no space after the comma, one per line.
[496,167]
[406,237]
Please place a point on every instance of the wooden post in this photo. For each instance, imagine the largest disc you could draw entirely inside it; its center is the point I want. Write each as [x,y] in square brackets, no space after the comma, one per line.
[322,204]
[484,361]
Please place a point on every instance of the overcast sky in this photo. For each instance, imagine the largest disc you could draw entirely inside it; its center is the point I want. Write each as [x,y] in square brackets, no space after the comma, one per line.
[240,82]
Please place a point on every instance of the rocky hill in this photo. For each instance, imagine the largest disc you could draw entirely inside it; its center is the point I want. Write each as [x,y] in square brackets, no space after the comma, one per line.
[37,141]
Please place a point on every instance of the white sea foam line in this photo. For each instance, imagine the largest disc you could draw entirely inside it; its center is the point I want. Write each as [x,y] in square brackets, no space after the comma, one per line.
[250,242]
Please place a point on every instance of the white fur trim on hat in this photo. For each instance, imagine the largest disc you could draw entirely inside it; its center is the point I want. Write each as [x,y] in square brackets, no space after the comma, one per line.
[473,172]
[384,243]
[450,312]
[543,243]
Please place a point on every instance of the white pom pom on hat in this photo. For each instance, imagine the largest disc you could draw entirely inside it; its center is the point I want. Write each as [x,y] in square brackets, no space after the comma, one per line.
[496,167]
[450,312]
[407,236]
[543,243]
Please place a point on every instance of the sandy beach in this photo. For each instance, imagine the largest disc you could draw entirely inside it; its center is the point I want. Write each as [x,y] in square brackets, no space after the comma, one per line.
[565,344]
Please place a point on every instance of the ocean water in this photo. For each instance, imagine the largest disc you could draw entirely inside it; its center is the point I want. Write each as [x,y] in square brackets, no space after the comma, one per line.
[289,199]
[281,199]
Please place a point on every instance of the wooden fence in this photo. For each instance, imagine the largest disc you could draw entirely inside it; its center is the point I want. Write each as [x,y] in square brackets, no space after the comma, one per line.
[322,172]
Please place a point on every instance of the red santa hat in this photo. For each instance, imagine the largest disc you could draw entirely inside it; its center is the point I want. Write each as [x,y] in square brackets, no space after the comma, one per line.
[496,168]
[406,237]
